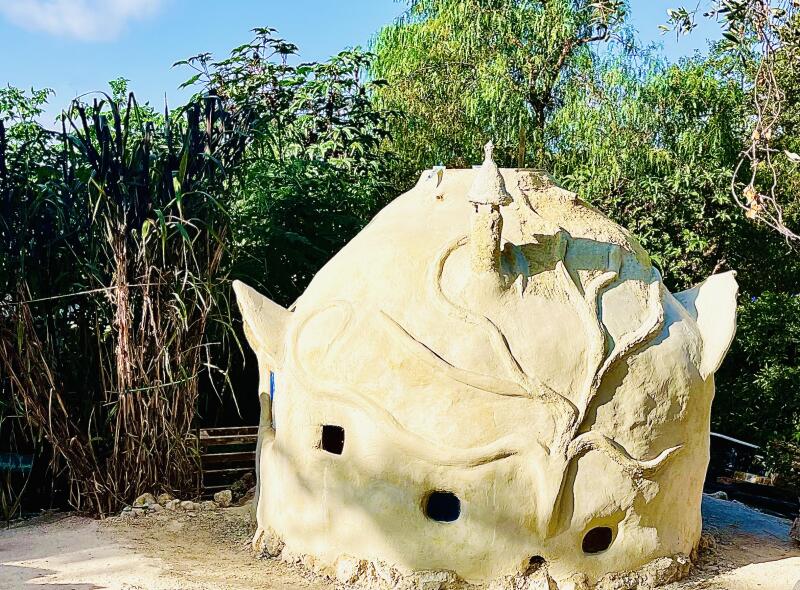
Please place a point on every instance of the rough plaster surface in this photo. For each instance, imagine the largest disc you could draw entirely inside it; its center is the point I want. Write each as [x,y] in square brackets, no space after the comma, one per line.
[490,335]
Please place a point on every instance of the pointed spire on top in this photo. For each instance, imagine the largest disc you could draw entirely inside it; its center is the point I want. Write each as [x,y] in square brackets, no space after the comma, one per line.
[488,188]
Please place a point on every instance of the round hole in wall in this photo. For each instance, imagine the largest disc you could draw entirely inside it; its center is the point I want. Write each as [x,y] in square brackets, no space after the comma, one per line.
[597,540]
[536,563]
[442,506]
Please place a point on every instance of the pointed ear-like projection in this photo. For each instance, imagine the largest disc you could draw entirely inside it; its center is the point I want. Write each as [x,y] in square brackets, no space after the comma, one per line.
[265,323]
[712,304]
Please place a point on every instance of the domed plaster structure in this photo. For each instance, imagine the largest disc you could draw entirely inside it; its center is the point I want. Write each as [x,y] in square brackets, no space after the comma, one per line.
[490,383]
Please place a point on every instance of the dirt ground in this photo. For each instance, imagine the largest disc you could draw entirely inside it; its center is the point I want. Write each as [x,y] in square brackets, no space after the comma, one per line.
[210,551]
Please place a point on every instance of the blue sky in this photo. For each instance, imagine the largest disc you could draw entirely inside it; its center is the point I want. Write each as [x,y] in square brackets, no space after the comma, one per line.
[76,46]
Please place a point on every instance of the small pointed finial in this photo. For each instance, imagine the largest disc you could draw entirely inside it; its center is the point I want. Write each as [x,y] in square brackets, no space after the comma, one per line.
[438,172]
[487,194]
[488,188]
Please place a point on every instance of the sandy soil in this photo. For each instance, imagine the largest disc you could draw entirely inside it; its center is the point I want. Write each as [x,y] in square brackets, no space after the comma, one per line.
[210,551]
[166,551]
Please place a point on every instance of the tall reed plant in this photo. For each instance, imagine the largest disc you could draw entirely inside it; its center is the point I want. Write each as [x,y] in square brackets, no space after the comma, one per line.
[116,284]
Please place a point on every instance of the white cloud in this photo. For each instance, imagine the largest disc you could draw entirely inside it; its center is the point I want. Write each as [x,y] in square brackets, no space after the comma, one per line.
[86,20]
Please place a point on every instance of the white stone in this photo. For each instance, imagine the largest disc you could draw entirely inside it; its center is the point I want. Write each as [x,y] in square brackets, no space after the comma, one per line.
[576,582]
[349,569]
[164,498]
[144,500]
[431,580]
[223,498]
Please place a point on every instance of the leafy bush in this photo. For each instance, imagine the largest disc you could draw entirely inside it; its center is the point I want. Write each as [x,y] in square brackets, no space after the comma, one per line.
[757,397]
[316,172]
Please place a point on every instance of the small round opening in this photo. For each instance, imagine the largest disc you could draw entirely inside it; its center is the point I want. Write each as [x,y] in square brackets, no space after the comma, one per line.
[442,506]
[535,563]
[597,540]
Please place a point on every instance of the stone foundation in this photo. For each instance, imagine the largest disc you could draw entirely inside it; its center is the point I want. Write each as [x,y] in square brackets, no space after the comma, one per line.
[351,573]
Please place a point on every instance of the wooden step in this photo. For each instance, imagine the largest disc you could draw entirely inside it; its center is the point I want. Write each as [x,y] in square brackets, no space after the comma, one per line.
[226,430]
[228,439]
[230,472]
[238,457]
[226,454]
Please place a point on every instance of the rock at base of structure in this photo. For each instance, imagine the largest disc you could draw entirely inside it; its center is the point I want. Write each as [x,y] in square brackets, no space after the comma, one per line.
[349,570]
[576,582]
[705,549]
[164,498]
[145,500]
[360,574]
[658,572]
[794,532]
[266,544]
[537,581]
[223,498]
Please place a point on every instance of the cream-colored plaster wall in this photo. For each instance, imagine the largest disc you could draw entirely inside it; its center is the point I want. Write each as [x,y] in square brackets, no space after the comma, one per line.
[542,374]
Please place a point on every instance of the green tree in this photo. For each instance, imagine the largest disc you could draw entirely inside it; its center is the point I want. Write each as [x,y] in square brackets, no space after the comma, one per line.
[764,35]
[758,398]
[120,233]
[462,72]
[113,237]
[653,145]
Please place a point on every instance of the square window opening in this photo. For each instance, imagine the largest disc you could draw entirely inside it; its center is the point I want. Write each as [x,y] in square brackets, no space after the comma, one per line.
[332,439]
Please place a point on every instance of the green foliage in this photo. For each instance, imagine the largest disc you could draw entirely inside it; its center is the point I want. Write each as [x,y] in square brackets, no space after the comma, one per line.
[758,400]
[464,72]
[764,36]
[654,147]
[316,172]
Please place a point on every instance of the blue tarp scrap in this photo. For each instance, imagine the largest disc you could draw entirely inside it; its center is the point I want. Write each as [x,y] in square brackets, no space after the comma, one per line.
[15,462]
